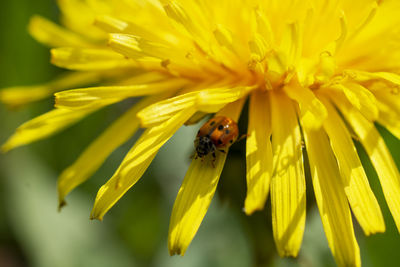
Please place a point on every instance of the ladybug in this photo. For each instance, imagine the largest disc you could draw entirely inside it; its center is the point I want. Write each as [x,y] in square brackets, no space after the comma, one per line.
[219,133]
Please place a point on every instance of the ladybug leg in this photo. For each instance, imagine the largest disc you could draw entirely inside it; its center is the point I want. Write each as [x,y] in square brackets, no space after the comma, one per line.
[243,136]
[213,160]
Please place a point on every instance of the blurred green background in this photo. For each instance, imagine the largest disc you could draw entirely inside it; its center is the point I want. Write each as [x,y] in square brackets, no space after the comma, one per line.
[134,233]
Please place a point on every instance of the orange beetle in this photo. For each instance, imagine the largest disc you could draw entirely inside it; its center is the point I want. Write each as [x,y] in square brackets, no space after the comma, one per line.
[218,133]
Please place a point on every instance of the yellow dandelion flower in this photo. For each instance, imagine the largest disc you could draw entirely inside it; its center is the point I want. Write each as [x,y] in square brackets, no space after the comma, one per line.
[318,75]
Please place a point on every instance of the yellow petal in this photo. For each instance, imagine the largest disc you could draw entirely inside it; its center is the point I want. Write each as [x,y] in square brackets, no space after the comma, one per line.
[389,118]
[115,25]
[86,59]
[224,37]
[101,96]
[92,158]
[361,198]
[44,126]
[196,118]
[164,110]
[152,53]
[136,162]
[288,198]
[258,47]
[377,151]
[78,16]
[277,66]
[390,98]
[15,97]
[343,34]
[208,100]
[214,99]
[182,21]
[325,68]
[291,43]
[229,44]
[258,153]
[22,95]
[331,199]
[363,76]
[361,98]
[53,35]
[389,109]
[192,202]
[110,24]
[312,111]
[195,195]
[175,11]
[264,26]
[136,47]
[359,29]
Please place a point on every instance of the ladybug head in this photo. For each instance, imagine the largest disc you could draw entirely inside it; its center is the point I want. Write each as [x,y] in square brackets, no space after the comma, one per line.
[204,146]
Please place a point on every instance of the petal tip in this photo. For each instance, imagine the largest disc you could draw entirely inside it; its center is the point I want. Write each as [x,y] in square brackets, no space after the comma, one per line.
[95,214]
[61,204]
[142,119]
[251,210]
[176,251]
[96,217]
[6,147]
[288,254]
[377,230]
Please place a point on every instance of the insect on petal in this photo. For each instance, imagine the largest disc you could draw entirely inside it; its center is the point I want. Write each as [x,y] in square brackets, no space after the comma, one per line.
[195,195]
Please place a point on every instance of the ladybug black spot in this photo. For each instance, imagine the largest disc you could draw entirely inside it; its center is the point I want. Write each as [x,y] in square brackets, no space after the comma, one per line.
[227,131]
[220,128]
[220,142]
[212,123]
[231,141]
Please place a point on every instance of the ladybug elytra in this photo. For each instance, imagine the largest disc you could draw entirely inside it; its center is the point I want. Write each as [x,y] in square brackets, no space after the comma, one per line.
[218,133]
